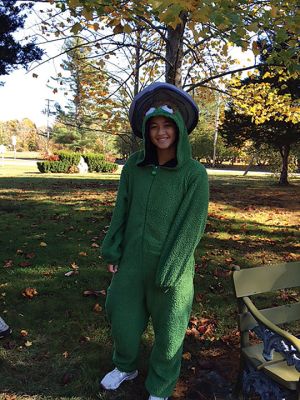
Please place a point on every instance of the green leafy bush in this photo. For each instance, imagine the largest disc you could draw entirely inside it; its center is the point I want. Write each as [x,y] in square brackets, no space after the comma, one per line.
[97,163]
[108,167]
[68,162]
[69,156]
[53,166]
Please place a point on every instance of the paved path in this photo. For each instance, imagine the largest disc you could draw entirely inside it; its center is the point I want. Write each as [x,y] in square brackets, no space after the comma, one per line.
[17,161]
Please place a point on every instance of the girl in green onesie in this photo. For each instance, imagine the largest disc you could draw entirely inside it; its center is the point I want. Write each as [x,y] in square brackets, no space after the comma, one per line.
[158,220]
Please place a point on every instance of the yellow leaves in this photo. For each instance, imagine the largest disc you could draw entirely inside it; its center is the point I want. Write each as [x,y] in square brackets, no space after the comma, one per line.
[76,28]
[262,101]
[274,11]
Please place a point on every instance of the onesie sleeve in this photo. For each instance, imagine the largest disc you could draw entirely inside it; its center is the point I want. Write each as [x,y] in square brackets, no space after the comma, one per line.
[185,233]
[111,249]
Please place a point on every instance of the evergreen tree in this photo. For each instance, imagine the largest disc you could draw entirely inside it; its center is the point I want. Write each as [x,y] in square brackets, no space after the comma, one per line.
[82,123]
[12,53]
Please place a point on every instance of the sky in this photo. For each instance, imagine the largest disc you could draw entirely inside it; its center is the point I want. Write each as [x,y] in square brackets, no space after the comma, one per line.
[26,96]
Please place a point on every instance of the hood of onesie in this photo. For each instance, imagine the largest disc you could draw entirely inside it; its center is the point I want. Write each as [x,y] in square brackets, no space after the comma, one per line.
[183,148]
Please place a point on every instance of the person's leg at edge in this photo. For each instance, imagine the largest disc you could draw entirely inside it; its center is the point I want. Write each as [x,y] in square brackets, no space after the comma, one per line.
[170,314]
[125,307]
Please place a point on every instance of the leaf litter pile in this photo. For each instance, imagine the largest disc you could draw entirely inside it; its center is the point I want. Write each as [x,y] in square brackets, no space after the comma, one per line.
[53,284]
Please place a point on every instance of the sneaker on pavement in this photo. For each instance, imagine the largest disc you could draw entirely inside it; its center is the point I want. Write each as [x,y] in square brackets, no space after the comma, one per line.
[157,398]
[114,378]
[4,329]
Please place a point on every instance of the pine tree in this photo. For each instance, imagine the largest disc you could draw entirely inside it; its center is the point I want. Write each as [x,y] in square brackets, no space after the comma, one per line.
[12,53]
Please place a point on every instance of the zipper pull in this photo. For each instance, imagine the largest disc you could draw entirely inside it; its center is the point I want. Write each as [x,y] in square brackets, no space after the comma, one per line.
[154,170]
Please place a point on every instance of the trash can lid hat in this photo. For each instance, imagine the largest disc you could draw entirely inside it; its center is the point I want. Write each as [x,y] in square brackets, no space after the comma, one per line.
[166,96]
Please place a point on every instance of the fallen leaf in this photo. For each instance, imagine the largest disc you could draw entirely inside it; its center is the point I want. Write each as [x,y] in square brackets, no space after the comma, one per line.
[97,308]
[66,354]
[192,332]
[29,256]
[222,273]
[95,293]
[23,333]
[24,264]
[73,272]
[43,244]
[199,297]
[19,251]
[83,254]
[95,245]
[28,343]
[8,263]
[84,339]
[8,396]
[29,292]
[74,266]
[186,356]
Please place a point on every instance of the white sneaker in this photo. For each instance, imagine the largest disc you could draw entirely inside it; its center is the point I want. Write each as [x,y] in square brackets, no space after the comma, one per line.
[157,398]
[114,378]
[4,329]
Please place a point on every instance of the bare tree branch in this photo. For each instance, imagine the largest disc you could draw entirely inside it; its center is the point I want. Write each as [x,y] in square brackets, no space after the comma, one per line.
[201,83]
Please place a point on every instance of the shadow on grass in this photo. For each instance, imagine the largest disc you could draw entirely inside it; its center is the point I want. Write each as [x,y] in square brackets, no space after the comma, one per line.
[68,343]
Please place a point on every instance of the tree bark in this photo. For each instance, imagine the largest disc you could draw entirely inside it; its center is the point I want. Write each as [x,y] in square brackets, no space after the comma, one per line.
[133,142]
[174,52]
[284,151]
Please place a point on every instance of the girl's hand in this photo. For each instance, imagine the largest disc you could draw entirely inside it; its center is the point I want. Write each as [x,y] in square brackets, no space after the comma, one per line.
[112,268]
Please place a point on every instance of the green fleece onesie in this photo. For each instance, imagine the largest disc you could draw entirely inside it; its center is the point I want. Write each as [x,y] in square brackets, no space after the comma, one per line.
[158,220]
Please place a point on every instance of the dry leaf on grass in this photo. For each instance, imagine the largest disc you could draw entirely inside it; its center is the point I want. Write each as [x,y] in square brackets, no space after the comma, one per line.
[29,292]
[8,263]
[97,308]
[95,293]
[24,264]
[186,356]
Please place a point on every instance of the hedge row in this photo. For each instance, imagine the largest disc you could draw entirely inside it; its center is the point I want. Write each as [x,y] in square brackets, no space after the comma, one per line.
[53,166]
[96,163]
[68,162]
[69,156]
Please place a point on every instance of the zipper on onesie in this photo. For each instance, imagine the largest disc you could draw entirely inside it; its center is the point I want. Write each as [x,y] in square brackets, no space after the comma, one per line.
[153,173]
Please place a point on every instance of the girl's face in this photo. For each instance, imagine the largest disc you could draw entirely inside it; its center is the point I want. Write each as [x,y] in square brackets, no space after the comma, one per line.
[162,132]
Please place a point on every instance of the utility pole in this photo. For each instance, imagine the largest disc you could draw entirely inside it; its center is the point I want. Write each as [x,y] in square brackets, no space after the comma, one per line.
[48,113]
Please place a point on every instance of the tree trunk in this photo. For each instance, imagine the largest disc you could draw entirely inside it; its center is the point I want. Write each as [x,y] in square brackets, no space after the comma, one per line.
[174,52]
[133,142]
[216,130]
[284,151]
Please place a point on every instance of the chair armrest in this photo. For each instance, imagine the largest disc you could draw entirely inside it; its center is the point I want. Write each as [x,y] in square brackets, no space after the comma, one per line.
[275,338]
[269,325]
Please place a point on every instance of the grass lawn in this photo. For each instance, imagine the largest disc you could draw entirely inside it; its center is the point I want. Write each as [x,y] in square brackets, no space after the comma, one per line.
[54,224]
